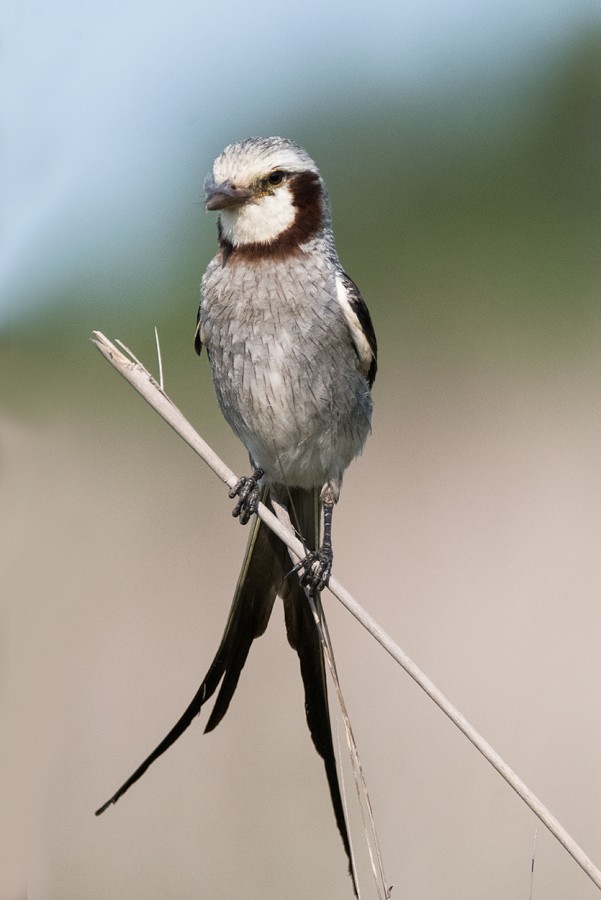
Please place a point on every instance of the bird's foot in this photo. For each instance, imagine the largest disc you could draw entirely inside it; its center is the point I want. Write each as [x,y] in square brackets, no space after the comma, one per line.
[315,569]
[248,490]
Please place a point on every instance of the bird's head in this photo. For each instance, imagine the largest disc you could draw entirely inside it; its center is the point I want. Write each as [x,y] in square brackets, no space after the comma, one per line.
[270,196]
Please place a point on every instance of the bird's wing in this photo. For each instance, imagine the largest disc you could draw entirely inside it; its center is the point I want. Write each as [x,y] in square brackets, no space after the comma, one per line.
[360,325]
[197,334]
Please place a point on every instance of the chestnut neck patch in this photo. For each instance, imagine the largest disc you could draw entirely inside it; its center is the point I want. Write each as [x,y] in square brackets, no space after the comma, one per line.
[306,191]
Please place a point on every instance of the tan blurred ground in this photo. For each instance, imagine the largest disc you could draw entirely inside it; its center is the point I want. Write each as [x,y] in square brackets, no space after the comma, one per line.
[470,529]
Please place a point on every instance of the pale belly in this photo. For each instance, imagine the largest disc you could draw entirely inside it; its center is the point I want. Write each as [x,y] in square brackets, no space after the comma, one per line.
[293,395]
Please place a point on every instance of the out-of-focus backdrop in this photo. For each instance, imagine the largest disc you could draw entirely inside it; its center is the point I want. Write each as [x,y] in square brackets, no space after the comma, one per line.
[461,147]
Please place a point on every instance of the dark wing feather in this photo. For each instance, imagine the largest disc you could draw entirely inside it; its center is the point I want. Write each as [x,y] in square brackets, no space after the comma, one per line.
[361,312]
[197,338]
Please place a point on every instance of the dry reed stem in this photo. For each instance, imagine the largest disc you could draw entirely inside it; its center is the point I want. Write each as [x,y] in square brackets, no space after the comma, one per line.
[134,372]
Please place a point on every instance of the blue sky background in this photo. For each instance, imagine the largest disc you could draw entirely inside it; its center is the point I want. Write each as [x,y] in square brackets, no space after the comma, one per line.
[113,112]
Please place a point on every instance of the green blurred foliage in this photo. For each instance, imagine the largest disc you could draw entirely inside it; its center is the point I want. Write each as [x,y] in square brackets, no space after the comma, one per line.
[469,218]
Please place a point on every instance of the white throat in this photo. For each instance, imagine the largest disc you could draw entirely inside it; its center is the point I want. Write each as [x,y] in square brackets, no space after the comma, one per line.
[261,221]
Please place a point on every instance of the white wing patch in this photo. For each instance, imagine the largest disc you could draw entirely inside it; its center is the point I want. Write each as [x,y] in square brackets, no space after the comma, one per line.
[352,320]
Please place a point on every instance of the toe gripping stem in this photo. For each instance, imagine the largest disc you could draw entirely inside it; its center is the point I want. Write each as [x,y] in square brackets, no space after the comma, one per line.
[249,493]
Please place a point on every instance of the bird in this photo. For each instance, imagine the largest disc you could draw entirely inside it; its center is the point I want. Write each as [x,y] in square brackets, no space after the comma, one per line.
[293,357]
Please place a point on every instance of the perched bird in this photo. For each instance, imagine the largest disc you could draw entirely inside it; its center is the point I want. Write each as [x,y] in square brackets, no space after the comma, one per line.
[293,357]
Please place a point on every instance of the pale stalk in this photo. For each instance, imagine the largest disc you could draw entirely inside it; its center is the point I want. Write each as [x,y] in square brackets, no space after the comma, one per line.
[134,372]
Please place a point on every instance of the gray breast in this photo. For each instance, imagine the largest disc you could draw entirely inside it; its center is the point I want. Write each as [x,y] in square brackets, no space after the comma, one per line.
[284,366]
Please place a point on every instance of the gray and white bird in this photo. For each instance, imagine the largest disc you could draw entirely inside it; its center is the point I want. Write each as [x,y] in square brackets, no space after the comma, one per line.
[293,357]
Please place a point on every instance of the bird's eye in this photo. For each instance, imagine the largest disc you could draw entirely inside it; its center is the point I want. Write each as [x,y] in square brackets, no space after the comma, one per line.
[276,177]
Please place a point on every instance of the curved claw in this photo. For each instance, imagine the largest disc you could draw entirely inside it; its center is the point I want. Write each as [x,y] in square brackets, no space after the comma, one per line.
[315,569]
[247,489]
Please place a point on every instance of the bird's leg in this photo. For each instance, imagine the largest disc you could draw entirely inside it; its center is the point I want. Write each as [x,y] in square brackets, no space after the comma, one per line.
[247,489]
[315,569]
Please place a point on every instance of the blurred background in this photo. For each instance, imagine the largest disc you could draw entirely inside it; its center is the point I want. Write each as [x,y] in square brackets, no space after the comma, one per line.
[460,145]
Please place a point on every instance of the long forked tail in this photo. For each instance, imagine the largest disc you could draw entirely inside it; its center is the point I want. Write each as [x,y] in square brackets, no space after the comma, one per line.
[264,577]
[261,575]
[304,637]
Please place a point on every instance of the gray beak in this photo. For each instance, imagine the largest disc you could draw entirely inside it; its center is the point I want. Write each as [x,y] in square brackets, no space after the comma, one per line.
[225,195]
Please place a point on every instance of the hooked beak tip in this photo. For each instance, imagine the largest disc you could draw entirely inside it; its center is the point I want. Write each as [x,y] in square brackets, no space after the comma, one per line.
[225,195]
